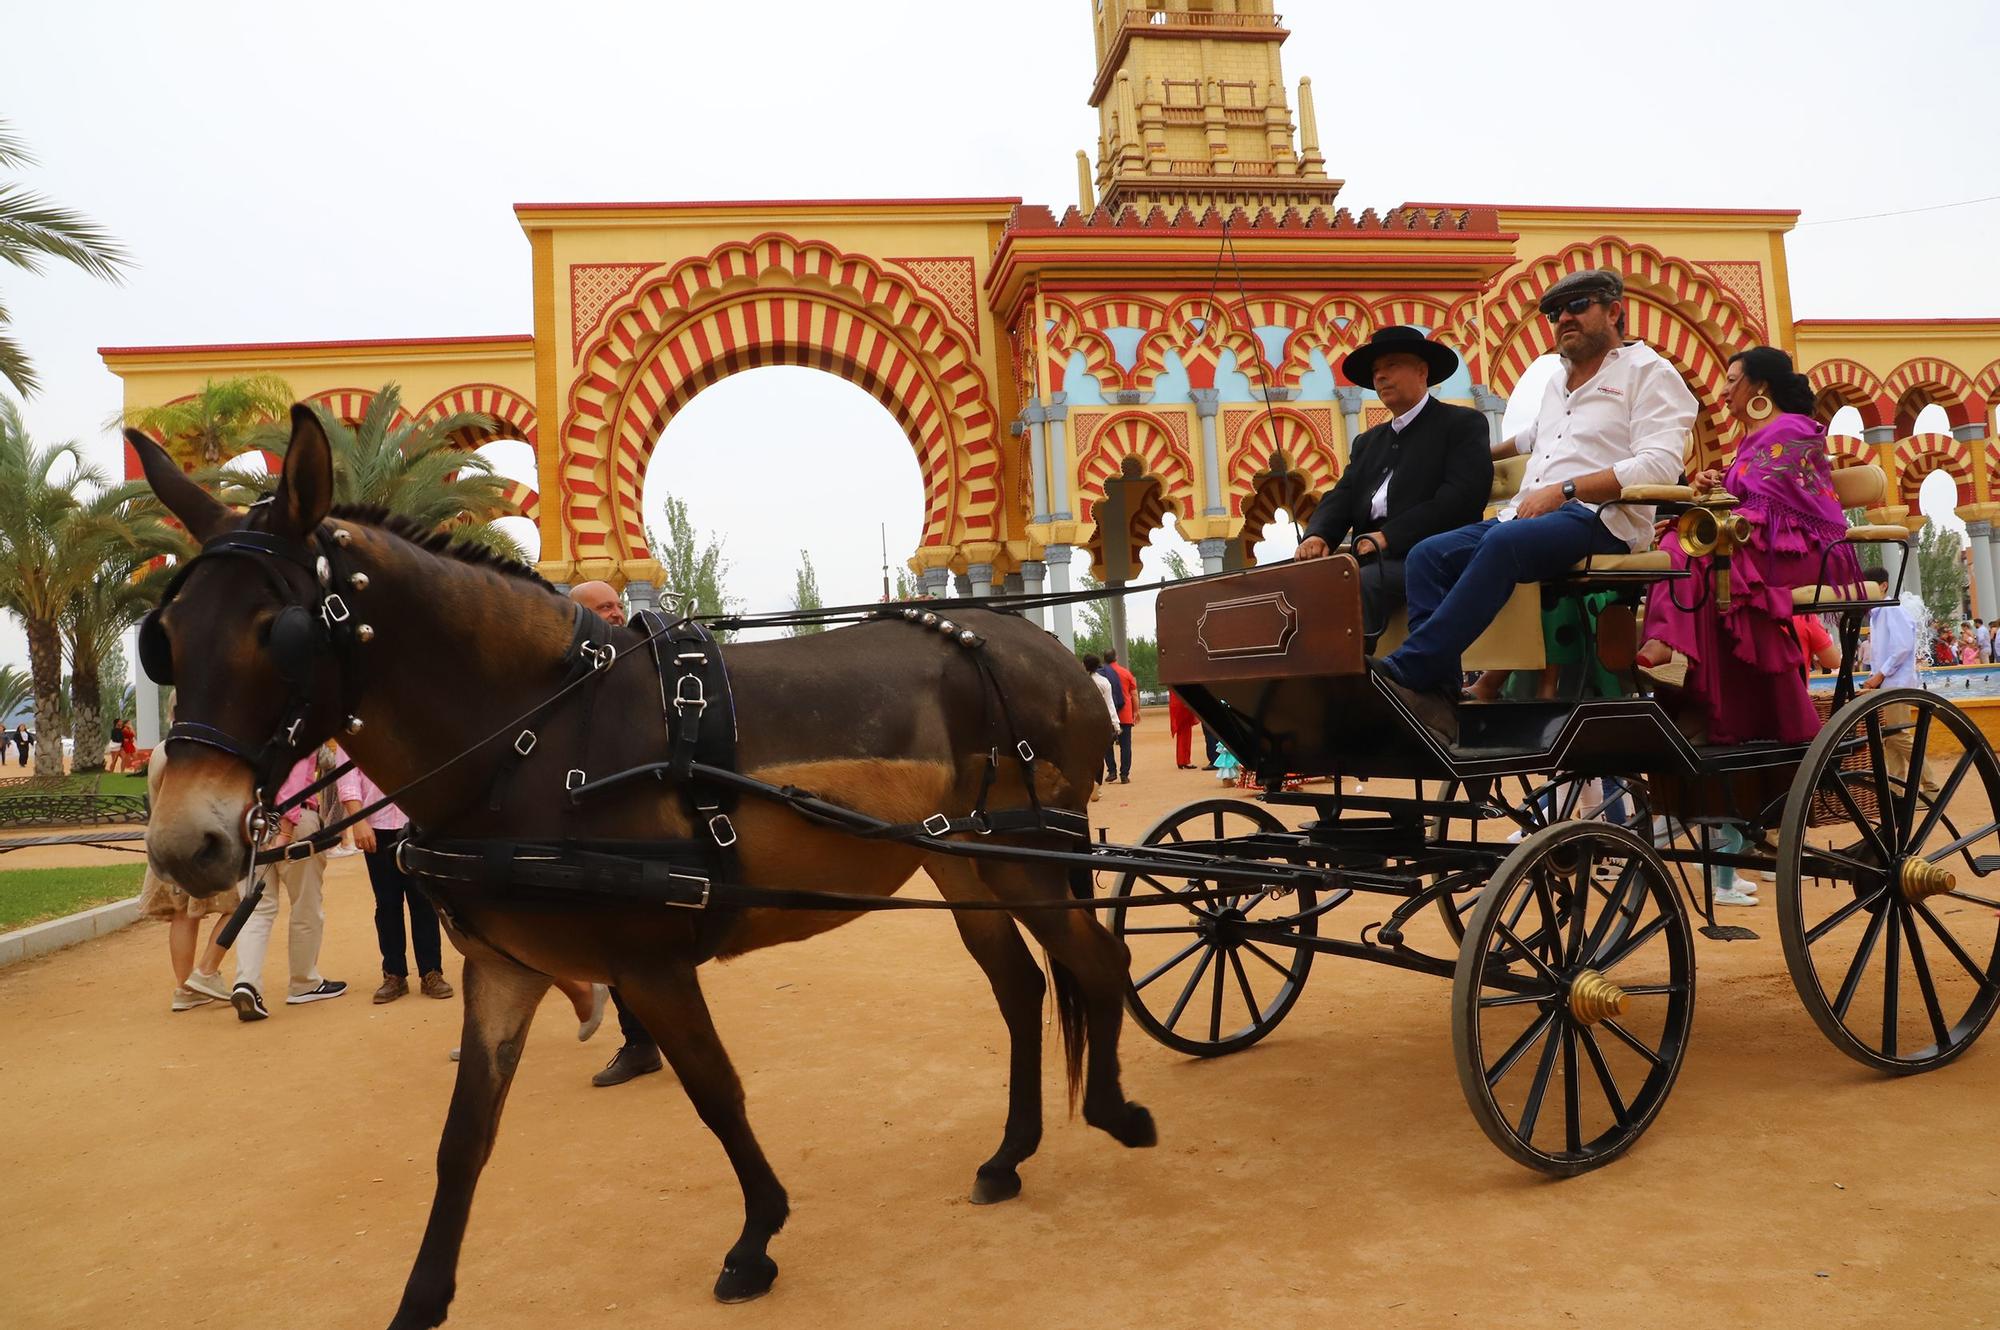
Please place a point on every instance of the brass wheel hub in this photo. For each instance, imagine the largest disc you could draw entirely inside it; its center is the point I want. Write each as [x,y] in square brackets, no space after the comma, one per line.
[1593,998]
[1920,878]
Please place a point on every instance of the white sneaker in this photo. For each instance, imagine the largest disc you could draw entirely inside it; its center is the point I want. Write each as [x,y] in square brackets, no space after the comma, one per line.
[186,999]
[1735,897]
[208,985]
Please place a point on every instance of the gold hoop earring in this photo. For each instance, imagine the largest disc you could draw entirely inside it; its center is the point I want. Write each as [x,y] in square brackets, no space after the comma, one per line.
[1760,408]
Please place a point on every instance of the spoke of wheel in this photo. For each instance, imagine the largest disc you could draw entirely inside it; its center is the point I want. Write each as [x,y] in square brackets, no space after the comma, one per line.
[1823,854]
[1166,965]
[1880,761]
[1215,1007]
[1952,945]
[1585,867]
[1243,983]
[1970,838]
[1572,1097]
[1533,1110]
[1219,832]
[1180,1003]
[1261,955]
[1604,1076]
[1536,1029]
[1922,966]
[1174,834]
[1541,966]
[1945,791]
[1860,819]
[1515,999]
[1633,1041]
[1521,908]
[1906,814]
[1615,909]
[1972,899]
[1159,930]
[1632,944]
[1651,990]
[1892,980]
[1193,907]
[1549,935]
[1845,997]
[1843,914]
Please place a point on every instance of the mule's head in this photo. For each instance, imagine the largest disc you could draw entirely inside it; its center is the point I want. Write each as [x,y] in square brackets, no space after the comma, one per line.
[241,640]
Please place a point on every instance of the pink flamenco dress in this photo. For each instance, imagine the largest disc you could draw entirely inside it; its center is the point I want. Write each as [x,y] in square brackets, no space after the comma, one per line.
[1744,678]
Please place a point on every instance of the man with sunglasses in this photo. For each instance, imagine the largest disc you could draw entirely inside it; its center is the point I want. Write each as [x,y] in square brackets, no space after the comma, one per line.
[1617,416]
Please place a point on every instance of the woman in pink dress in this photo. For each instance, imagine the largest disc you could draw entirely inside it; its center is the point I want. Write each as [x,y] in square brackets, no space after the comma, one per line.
[1743,680]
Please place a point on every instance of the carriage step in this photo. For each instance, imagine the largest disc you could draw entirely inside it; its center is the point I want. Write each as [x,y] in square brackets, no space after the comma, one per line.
[1728,933]
[1983,864]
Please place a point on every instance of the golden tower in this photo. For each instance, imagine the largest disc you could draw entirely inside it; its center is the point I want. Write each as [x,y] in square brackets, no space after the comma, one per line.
[1192,112]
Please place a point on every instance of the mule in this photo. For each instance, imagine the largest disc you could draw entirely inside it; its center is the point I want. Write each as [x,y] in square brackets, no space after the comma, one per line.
[882,717]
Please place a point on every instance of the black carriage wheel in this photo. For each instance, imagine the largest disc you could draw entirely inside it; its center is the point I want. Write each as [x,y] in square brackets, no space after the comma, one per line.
[1540,804]
[1565,995]
[1212,977]
[1887,899]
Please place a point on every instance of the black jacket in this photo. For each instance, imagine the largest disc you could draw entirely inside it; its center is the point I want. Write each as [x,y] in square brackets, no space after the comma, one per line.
[1441,479]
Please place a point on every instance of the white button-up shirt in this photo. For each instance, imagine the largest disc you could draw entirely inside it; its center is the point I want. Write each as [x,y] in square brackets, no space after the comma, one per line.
[1632,416]
[1378,507]
[1894,636]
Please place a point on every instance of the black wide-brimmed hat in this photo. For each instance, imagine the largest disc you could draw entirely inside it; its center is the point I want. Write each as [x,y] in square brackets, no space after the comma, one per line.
[1359,367]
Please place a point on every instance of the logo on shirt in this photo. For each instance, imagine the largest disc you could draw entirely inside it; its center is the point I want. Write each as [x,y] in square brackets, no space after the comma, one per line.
[1615,392]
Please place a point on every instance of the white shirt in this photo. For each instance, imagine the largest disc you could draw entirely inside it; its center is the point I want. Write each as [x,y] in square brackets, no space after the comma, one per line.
[1632,416]
[1894,639]
[1104,691]
[1378,507]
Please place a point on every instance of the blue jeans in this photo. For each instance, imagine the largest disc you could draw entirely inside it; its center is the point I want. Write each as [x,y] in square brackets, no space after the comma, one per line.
[1458,581]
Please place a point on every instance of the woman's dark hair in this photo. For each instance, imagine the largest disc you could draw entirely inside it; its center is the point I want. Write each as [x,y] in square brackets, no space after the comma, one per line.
[1790,390]
[1092,663]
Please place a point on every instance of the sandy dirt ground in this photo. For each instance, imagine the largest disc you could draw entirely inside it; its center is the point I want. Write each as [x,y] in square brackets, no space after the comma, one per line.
[188,1170]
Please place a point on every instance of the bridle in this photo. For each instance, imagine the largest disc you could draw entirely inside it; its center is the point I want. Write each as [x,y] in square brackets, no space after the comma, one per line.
[303,640]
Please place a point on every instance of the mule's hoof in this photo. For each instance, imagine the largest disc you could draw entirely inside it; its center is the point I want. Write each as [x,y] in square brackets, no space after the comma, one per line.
[1137,1131]
[741,1283]
[991,1188]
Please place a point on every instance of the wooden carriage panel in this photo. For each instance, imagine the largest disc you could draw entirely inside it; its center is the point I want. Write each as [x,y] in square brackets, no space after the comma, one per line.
[1287,620]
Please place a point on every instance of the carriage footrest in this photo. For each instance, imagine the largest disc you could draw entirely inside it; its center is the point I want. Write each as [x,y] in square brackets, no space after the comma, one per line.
[1728,933]
[1983,864]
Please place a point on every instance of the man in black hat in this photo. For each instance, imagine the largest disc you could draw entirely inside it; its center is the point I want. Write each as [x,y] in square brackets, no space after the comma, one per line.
[1618,417]
[1426,470]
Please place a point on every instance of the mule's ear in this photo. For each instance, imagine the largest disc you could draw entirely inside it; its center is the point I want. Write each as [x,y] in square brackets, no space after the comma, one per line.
[199,511]
[305,487]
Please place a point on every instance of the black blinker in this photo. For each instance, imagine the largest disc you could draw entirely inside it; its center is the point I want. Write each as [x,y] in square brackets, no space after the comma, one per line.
[156,654]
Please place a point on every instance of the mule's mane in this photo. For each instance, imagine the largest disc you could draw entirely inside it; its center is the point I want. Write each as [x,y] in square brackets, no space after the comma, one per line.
[442,543]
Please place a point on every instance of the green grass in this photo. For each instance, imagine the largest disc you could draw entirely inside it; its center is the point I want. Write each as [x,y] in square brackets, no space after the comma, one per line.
[104,784]
[30,895]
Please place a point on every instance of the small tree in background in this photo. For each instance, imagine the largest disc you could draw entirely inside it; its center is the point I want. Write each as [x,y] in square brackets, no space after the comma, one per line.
[693,566]
[1177,564]
[1941,564]
[15,690]
[805,596]
[34,230]
[907,586]
[217,422]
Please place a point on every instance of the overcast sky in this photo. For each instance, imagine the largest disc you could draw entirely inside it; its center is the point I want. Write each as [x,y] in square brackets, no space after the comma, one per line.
[343,172]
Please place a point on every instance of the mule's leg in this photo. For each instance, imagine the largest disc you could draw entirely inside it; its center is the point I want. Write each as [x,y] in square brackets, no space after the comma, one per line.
[1096,964]
[1018,987]
[670,1005]
[500,999]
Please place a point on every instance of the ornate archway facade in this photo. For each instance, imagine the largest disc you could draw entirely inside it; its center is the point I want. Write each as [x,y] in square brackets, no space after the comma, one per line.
[1165,351]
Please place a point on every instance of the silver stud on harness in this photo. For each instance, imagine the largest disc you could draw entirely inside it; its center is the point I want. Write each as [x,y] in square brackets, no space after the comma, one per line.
[354,724]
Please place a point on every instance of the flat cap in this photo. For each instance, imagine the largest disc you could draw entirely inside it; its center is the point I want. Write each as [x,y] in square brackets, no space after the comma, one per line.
[1599,282]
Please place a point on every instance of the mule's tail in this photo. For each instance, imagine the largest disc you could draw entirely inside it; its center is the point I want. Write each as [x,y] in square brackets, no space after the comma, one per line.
[1069,999]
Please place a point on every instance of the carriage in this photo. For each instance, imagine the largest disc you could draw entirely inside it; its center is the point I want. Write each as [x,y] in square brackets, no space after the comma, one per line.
[1570,942]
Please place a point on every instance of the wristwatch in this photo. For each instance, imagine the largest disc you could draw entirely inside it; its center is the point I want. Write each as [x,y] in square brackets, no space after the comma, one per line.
[1569,489]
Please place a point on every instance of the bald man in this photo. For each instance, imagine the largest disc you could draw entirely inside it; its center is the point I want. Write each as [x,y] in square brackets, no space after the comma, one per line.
[639,1055]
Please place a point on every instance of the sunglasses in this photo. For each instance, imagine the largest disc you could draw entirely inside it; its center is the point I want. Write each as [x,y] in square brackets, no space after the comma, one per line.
[1554,312]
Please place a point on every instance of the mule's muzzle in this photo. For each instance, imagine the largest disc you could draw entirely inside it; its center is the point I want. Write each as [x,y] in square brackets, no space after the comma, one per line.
[200,859]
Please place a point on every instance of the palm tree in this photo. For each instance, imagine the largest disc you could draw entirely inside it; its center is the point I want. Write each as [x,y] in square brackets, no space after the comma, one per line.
[14,690]
[127,534]
[215,423]
[48,558]
[414,468]
[32,231]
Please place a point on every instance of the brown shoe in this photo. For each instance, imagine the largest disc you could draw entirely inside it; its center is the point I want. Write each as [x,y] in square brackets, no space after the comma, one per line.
[393,987]
[434,985]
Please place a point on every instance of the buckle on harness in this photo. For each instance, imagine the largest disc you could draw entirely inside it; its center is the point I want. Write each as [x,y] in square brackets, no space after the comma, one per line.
[601,657]
[937,824]
[333,610]
[1027,753]
[290,853]
[682,699]
[574,778]
[724,832]
[524,743]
